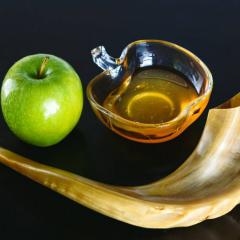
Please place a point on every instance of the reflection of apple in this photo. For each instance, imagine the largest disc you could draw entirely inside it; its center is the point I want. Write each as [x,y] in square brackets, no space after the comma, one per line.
[41,99]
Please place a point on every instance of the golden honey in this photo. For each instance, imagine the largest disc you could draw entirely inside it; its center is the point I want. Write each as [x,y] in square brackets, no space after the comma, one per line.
[151,95]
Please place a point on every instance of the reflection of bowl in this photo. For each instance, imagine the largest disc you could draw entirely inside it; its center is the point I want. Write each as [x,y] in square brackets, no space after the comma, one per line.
[141,54]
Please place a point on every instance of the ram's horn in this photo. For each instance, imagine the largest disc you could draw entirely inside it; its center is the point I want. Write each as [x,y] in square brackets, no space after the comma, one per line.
[206,186]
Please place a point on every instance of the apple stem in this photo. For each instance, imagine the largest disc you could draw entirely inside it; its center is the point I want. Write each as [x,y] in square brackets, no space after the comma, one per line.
[42,67]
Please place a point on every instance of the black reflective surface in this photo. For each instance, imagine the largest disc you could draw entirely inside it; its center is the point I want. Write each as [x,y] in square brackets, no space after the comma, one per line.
[70,29]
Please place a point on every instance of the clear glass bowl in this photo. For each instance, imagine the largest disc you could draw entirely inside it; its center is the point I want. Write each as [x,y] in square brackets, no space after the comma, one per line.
[145,53]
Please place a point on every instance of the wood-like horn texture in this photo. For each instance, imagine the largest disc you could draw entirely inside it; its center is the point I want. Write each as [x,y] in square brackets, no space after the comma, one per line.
[206,186]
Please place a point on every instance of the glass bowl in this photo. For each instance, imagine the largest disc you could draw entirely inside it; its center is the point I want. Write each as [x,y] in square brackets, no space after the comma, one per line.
[148,53]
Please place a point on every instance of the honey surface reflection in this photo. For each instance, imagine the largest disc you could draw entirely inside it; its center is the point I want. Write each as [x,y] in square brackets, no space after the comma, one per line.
[152,95]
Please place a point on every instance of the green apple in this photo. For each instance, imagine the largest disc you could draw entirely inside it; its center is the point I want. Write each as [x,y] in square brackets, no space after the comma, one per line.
[41,99]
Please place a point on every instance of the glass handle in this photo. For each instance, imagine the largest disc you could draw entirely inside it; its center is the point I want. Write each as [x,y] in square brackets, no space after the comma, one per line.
[102,59]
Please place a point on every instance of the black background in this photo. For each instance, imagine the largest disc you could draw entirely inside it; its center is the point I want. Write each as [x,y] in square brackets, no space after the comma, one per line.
[70,29]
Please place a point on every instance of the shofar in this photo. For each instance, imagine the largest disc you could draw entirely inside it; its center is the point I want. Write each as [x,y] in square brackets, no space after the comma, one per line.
[206,186]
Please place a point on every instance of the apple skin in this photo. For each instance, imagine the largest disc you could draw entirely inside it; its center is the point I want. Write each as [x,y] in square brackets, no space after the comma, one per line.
[41,110]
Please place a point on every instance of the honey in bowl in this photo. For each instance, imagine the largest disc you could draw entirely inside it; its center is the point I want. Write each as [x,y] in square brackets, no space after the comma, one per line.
[152,92]
[152,95]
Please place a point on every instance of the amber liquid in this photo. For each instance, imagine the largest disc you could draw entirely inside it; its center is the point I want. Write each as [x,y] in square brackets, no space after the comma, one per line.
[152,95]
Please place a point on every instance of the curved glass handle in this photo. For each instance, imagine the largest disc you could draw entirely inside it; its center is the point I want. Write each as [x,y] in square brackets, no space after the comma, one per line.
[102,59]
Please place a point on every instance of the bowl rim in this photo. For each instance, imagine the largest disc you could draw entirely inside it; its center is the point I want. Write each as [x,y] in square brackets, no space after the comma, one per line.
[181,115]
